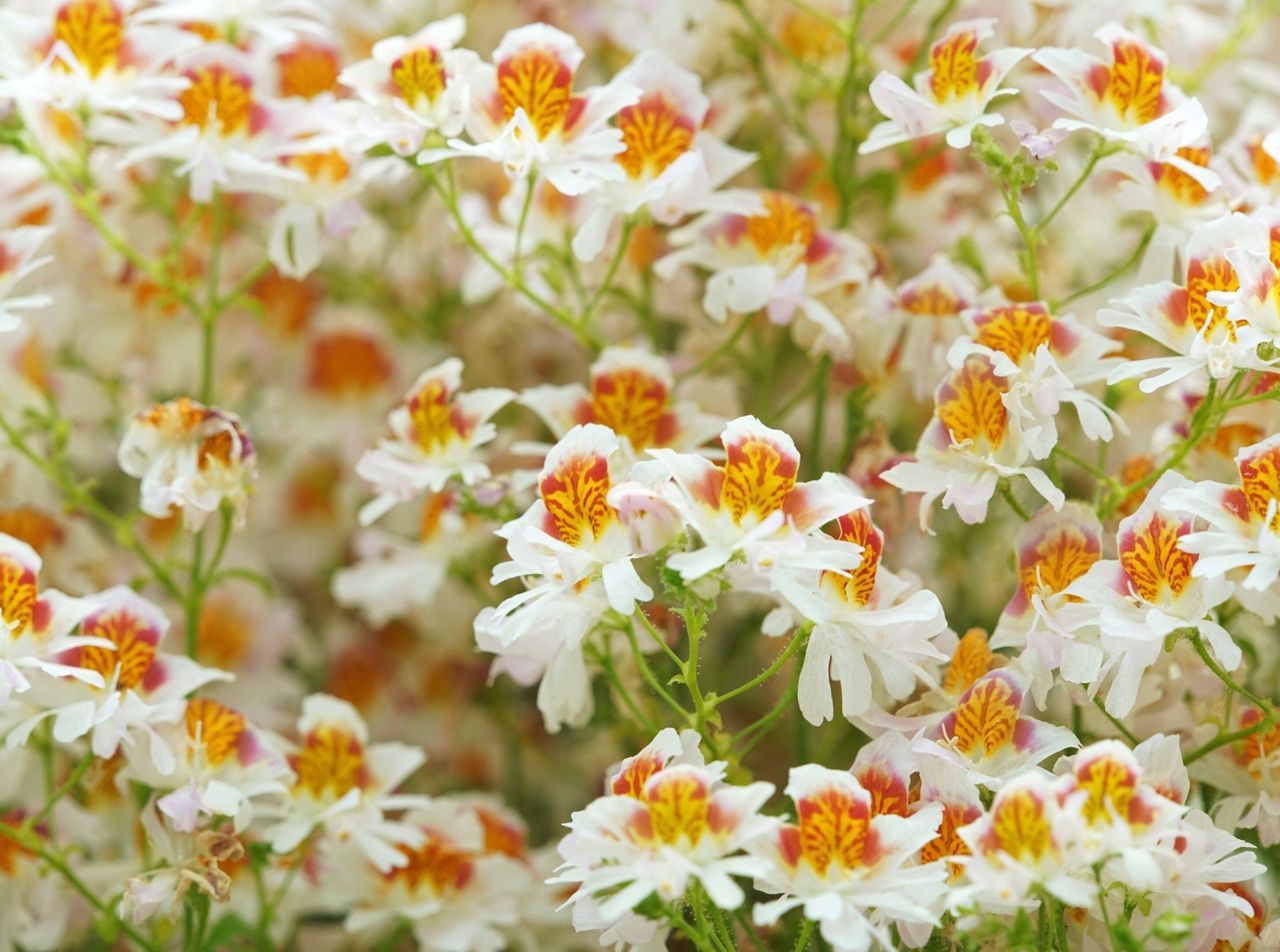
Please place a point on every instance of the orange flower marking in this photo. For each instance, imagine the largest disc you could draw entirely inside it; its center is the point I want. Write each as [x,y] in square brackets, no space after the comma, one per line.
[1258,751]
[330,166]
[1016,330]
[1110,784]
[1263,164]
[1178,183]
[785,226]
[501,835]
[10,851]
[536,81]
[1134,85]
[1062,556]
[834,828]
[985,718]
[973,658]
[17,595]
[655,132]
[418,76]
[1019,827]
[888,791]
[857,586]
[970,406]
[431,410]
[1152,561]
[308,70]
[33,526]
[630,781]
[93,30]
[329,762]
[347,363]
[575,498]
[1215,274]
[224,633]
[217,99]
[931,300]
[679,811]
[215,726]
[135,647]
[948,842]
[953,67]
[631,403]
[287,302]
[809,37]
[758,477]
[1260,480]
[437,865]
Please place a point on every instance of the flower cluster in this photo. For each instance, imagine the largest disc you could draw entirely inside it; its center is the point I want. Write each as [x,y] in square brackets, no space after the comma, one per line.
[850,429]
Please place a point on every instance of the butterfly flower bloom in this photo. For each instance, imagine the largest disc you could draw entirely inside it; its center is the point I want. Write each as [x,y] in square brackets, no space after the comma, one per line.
[684,824]
[1126,98]
[413,86]
[672,165]
[852,871]
[455,890]
[1188,318]
[753,503]
[1147,593]
[343,786]
[951,96]
[863,618]
[775,256]
[19,249]
[127,689]
[191,458]
[972,442]
[630,391]
[526,116]
[434,435]
[40,623]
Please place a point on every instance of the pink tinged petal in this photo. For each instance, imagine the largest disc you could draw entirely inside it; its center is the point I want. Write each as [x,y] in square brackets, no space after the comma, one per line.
[813,504]
[183,807]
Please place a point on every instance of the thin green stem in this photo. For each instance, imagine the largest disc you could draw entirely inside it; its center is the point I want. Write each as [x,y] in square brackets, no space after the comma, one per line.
[624,240]
[651,679]
[806,932]
[1202,649]
[1129,735]
[792,647]
[1115,274]
[1012,500]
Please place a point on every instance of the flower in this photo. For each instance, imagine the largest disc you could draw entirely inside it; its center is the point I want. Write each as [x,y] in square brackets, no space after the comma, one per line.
[435,433]
[684,824]
[950,96]
[1125,99]
[18,248]
[189,457]
[850,870]
[1148,592]
[413,86]
[753,504]
[772,256]
[970,444]
[343,785]
[864,619]
[525,114]
[673,165]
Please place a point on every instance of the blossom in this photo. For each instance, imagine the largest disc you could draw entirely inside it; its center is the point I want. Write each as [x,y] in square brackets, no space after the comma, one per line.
[673,165]
[1148,592]
[434,435]
[684,824]
[526,116]
[1188,318]
[191,458]
[849,869]
[18,258]
[951,96]
[773,255]
[970,444]
[39,623]
[413,85]
[630,391]
[127,689]
[864,619]
[342,785]
[1126,98]
[753,503]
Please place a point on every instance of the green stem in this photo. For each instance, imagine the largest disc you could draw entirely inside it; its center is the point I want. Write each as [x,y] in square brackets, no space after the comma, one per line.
[624,240]
[1012,500]
[1232,684]
[63,789]
[792,647]
[1114,275]
[1129,735]
[806,932]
